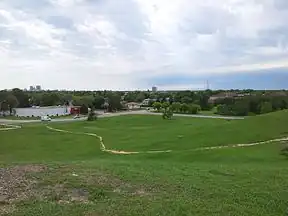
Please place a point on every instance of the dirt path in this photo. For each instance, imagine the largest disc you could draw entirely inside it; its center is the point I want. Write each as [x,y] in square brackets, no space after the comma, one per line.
[103,147]
[9,127]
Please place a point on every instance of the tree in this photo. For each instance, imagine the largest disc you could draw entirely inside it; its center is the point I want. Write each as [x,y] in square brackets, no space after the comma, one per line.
[184,108]
[4,107]
[203,101]
[80,100]
[223,109]
[266,107]
[194,108]
[157,106]
[167,113]
[12,102]
[140,97]
[22,97]
[240,108]
[114,101]
[165,105]
[50,99]
[92,116]
[84,109]
[98,102]
[187,100]
[176,106]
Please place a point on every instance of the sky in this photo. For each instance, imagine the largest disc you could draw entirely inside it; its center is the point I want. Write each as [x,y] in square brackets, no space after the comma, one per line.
[136,44]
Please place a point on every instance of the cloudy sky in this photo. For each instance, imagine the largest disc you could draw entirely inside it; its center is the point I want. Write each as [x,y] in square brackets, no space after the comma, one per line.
[135,44]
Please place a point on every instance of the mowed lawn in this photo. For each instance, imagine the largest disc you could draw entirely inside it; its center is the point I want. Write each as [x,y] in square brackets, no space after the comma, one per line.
[232,181]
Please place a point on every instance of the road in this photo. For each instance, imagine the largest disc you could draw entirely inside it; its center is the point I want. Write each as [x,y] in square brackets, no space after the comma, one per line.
[104,115]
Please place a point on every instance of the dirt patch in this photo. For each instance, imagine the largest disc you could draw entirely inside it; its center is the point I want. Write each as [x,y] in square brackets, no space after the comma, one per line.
[141,192]
[7,209]
[15,186]
[64,185]
[76,184]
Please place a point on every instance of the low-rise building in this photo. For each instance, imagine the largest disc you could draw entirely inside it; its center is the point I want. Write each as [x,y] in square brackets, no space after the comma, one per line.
[222,95]
[42,111]
[133,106]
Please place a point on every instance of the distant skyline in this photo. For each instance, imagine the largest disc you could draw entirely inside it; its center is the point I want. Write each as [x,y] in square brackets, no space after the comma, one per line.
[137,44]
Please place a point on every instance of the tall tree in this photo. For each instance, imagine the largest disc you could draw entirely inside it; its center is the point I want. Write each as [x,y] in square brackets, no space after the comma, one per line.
[22,97]
[114,101]
[98,102]
[12,102]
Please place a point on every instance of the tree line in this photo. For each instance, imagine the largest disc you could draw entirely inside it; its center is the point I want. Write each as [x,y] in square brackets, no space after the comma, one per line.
[257,102]
[251,105]
[177,107]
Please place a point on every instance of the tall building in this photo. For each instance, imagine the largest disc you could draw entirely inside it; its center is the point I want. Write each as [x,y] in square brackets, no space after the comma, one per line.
[38,88]
[31,88]
[154,89]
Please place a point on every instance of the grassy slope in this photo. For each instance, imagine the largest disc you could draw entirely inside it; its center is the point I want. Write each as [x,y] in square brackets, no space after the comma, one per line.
[140,133]
[242,181]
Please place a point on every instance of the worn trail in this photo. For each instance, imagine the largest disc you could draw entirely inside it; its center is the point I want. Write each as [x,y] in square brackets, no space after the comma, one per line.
[103,147]
[7,127]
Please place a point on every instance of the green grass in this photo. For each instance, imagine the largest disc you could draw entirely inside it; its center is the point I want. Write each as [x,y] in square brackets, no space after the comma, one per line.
[232,181]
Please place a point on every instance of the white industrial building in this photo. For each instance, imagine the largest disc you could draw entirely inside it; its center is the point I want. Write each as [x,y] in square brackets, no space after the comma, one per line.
[42,111]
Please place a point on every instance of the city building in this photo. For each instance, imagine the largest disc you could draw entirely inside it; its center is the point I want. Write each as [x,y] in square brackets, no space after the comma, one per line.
[35,88]
[31,88]
[38,88]
[154,89]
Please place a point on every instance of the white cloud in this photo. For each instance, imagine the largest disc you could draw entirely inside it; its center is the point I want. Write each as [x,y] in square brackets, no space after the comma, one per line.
[125,44]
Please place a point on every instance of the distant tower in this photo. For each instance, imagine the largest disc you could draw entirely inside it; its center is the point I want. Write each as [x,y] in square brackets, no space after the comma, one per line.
[154,89]
[38,88]
[31,88]
[207,85]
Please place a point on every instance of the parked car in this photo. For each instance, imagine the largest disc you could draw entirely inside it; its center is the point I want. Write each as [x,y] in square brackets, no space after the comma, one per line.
[45,118]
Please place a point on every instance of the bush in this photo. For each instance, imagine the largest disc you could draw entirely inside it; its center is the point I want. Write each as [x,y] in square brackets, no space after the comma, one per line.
[167,113]
[194,109]
[92,116]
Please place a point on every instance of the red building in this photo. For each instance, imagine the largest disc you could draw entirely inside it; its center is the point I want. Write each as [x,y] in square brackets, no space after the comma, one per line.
[75,110]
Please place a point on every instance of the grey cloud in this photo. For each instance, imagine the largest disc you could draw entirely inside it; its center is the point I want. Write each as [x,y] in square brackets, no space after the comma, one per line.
[29,4]
[202,39]
[281,4]
[59,21]
[207,20]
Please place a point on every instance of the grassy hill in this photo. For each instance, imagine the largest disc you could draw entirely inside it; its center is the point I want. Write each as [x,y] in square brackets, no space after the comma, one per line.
[71,176]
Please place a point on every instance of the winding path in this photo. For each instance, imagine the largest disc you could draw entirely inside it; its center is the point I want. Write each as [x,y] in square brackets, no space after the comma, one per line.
[103,147]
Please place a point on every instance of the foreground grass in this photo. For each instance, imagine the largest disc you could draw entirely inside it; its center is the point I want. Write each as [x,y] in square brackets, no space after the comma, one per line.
[235,181]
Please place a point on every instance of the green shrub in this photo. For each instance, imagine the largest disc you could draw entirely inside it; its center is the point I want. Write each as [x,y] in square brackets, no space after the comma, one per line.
[194,109]
[167,113]
[92,116]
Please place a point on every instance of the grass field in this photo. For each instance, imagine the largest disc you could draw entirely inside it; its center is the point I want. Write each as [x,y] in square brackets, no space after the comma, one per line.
[52,173]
